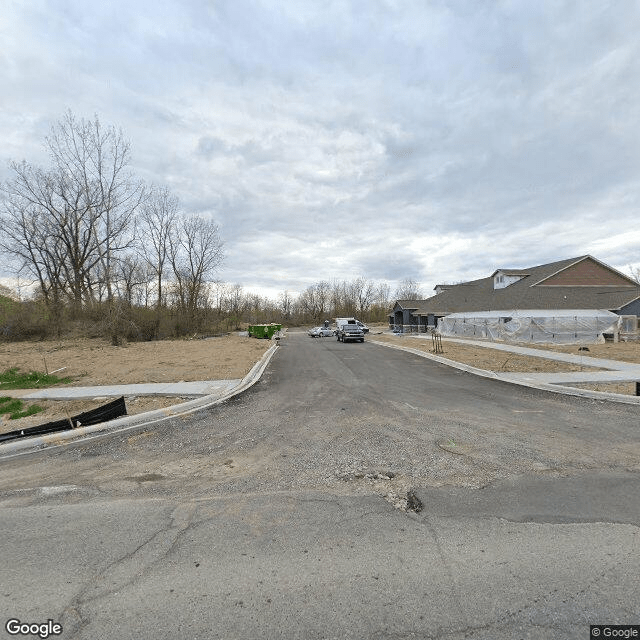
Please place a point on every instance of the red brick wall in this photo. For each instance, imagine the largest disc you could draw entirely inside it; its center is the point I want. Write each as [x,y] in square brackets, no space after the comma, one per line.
[586,273]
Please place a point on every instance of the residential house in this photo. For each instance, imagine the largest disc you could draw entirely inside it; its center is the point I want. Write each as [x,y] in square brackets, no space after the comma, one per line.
[577,283]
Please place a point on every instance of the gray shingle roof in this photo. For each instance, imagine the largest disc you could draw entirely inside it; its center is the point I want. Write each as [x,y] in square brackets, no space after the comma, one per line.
[409,304]
[480,295]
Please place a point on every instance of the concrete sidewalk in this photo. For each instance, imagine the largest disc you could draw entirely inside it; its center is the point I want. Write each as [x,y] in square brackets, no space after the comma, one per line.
[605,377]
[189,389]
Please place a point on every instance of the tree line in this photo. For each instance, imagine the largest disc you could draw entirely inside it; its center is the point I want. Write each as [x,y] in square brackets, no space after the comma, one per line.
[117,256]
[91,234]
[223,307]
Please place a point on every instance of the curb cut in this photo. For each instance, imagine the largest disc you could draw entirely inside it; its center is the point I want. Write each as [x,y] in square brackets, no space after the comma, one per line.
[128,423]
[542,386]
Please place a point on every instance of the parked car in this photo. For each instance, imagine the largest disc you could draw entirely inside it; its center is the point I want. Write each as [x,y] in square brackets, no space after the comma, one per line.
[350,332]
[321,332]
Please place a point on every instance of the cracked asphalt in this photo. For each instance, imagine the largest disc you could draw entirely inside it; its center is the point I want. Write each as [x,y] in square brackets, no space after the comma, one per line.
[282,513]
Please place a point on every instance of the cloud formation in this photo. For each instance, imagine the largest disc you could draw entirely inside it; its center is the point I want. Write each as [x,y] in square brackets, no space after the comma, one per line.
[435,140]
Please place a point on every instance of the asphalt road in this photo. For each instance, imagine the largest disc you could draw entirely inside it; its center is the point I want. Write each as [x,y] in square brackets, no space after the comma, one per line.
[355,492]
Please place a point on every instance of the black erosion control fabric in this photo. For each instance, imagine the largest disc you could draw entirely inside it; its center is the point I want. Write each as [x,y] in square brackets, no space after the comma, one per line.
[106,412]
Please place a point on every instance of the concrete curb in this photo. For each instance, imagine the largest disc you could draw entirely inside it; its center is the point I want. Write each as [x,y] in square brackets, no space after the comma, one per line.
[38,443]
[554,388]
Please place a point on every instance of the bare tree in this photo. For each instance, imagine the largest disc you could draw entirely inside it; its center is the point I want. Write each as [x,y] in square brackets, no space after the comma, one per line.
[314,302]
[347,294]
[337,298]
[195,252]
[364,293]
[408,290]
[382,302]
[383,295]
[94,161]
[236,300]
[157,224]
[48,227]
[217,296]
[634,272]
[235,304]
[65,225]
[306,303]
[323,296]
[130,277]
[286,304]
[27,236]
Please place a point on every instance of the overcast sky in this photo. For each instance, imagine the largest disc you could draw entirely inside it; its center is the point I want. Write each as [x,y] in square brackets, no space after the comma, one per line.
[390,139]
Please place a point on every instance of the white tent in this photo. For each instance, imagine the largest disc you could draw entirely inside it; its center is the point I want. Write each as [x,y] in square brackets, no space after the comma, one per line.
[561,326]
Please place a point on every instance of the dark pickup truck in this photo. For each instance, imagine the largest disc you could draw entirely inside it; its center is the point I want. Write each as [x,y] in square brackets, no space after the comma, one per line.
[348,331]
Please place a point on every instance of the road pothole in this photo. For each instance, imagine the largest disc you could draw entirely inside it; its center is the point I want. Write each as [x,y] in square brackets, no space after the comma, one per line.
[408,501]
[382,482]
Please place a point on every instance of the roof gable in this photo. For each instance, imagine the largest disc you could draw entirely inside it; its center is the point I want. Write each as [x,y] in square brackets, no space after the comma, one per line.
[586,272]
[409,305]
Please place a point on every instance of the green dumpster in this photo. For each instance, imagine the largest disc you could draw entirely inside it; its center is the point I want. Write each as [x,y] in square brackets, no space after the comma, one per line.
[264,330]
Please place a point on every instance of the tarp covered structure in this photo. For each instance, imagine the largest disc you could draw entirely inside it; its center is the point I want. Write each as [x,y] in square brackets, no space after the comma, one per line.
[543,326]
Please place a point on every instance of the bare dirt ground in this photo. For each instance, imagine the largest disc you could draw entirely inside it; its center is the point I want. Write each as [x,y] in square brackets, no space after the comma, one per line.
[625,388]
[95,362]
[625,351]
[487,358]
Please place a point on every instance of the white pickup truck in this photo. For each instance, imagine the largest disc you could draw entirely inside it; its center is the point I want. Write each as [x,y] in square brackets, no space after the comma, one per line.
[363,326]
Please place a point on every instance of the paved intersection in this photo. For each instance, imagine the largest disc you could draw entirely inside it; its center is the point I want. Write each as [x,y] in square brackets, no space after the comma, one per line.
[277,512]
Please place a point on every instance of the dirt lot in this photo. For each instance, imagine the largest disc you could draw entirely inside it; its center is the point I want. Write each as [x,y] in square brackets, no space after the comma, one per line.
[487,358]
[626,351]
[96,362]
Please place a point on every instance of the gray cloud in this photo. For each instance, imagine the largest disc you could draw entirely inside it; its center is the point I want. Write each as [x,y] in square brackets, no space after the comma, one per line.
[435,140]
